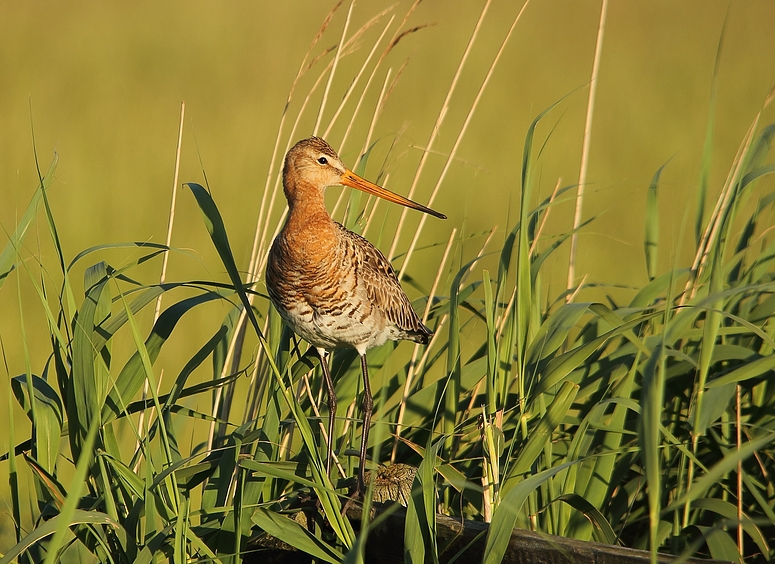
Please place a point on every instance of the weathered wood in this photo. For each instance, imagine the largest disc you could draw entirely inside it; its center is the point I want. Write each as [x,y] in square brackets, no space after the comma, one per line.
[385,545]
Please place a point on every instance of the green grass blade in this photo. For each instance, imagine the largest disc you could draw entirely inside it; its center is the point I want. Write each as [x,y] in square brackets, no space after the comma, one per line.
[48,528]
[220,239]
[88,393]
[652,398]
[167,439]
[727,464]
[66,516]
[420,524]
[603,531]
[130,379]
[291,532]
[492,387]
[753,369]
[651,238]
[728,511]
[10,251]
[48,419]
[217,230]
[538,436]
[505,517]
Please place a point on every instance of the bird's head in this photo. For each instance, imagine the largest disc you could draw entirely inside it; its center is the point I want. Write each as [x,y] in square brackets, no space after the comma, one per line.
[314,164]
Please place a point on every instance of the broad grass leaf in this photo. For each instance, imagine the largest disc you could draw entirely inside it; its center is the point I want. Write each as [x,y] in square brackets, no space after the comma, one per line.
[49,527]
[217,230]
[453,384]
[451,474]
[68,512]
[493,402]
[10,252]
[728,511]
[414,531]
[88,394]
[132,375]
[49,415]
[538,436]
[420,524]
[278,469]
[753,369]
[49,483]
[122,473]
[220,239]
[560,366]
[716,472]
[710,331]
[505,516]
[759,150]
[657,287]
[651,237]
[110,326]
[715,402]
[555,330]
[652,398]
[178,387]
[596,483]
[291,532]
[602,528]
[720,544]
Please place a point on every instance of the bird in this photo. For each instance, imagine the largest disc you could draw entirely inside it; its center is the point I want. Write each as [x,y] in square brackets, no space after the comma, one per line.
[331,286]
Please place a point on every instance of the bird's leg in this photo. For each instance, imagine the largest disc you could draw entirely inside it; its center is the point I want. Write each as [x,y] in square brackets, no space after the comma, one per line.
[331,407]
[367,406]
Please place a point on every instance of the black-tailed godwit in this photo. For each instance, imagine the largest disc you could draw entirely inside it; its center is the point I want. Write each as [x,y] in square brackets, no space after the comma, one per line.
[330,285]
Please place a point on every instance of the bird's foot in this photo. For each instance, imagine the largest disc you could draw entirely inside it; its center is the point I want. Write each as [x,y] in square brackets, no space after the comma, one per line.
[355,496]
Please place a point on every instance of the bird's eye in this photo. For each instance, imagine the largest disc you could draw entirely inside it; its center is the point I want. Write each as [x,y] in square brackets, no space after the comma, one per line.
[323,160]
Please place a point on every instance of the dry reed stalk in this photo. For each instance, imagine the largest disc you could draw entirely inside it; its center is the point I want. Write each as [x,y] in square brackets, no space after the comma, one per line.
[357,79]
[373,209]
[348,418]
[262,250]
[397,36]
[392,43]
[415,353]
[375,115]
[715,222]
[383,96]
[585,147]
[165,259]
[303,68]
[459,138]
[719,212]
[438,123]
[331,75]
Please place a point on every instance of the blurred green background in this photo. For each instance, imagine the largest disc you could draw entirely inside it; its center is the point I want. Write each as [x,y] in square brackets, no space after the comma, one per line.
[102,83]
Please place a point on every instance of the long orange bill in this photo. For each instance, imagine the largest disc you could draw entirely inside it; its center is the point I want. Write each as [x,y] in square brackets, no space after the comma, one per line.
[349,178]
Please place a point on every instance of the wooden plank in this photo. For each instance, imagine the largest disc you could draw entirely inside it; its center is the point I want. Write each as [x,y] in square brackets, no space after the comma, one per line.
[385,545]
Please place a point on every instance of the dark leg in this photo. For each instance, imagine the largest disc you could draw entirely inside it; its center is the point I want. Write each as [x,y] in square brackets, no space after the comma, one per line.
[367,406]
[331,407]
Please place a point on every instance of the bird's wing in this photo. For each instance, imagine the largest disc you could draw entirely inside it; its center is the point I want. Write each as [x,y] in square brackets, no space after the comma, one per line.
[376,275]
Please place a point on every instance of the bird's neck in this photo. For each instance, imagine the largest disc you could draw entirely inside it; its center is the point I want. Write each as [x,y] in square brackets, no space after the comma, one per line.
[307,213]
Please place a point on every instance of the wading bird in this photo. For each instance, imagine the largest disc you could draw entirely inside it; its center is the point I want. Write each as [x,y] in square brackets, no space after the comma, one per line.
[331,286]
